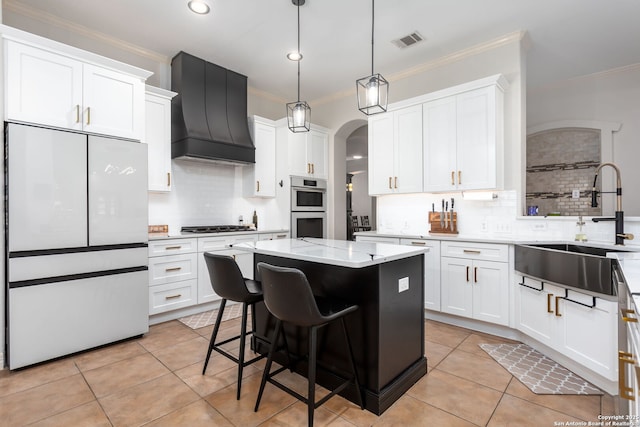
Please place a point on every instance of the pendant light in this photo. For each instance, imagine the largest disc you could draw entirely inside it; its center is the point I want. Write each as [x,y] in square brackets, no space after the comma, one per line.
[299,112]
[373,90]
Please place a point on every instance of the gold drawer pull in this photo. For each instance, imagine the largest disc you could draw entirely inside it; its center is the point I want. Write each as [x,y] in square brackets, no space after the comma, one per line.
[168,179]
[170,248]
[475,274]
[459,177]
[549,297]
[257,186]
[471,251]
[467,273]
[390,184]
[173,269]
[453,174]
[625,315]
[558,306]
[88,115]
[173,296]
[281,236]
[395,182]
[418,243]
[626,392]
[313,168]
[77,113]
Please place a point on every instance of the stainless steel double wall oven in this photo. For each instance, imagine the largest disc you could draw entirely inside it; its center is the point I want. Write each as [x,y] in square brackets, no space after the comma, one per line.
[308,207]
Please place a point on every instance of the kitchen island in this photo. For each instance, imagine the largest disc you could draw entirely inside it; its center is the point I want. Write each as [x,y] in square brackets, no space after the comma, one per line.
[387,332]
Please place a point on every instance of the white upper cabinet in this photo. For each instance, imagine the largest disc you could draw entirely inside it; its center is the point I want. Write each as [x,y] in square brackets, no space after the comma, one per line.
[308,151]
[395,151]
[260,178]
[463,140]
[157,136]
[58,88]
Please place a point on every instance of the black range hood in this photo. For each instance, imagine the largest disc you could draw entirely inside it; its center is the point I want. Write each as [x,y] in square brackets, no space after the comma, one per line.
[209,114]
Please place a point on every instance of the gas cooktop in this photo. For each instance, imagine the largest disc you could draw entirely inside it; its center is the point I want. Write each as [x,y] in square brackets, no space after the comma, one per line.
[216,228]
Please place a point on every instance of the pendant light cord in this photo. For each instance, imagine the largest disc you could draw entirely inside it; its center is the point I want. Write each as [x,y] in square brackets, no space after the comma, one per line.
[372,20]
[299,51]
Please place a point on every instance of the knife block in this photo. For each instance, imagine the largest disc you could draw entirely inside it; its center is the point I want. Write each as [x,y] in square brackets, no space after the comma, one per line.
[434,221]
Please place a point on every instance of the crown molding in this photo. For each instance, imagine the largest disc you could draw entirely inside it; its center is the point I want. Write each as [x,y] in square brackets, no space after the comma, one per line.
[47,18]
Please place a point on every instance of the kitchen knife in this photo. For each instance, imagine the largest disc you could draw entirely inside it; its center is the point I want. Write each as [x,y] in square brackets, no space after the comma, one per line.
[451,217]
[442,215]
[446,218]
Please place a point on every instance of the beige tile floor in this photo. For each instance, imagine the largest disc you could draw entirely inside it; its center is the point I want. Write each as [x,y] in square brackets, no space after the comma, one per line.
[156,381]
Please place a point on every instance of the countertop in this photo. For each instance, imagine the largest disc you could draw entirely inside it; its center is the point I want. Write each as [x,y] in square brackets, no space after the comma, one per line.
[630,264]
[226,233]
[335,252]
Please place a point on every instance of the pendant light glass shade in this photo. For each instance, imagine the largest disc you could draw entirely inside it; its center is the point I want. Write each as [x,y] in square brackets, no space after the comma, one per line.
[372,94]
[298,116]
[372,91]
[299,112]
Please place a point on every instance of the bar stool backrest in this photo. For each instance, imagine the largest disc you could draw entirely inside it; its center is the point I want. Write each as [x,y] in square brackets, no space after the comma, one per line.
[288,295]
[226,277]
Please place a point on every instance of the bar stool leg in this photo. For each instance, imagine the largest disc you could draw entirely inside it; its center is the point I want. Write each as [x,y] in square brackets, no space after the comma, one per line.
[214,334]
[311,396]
[353,363]
[267,368]
[243,333]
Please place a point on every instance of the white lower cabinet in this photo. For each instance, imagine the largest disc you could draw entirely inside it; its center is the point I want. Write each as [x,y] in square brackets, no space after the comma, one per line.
[173,274]
[577,325]
[431,271]
[471,285]
[222,245]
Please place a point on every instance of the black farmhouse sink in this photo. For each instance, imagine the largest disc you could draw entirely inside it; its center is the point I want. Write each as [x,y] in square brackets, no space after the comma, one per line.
[577,266]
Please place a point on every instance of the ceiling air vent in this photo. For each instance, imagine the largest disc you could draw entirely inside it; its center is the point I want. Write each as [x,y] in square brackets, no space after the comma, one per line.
[408,40]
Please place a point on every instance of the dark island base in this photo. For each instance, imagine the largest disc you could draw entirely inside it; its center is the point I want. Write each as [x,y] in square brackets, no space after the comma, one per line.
[387,332]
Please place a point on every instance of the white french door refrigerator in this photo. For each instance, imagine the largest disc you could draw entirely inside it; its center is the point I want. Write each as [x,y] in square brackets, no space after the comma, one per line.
[76,234]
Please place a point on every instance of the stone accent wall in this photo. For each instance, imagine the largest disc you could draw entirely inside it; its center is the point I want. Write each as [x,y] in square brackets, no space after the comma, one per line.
[558,162]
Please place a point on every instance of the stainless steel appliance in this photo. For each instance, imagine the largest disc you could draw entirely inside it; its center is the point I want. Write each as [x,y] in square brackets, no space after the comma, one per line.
[76,253]
[308,207]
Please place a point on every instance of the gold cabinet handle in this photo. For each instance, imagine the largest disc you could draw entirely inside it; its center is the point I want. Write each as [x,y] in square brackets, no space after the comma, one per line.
[558,306]
[467,273]
[471,251]
[475,274]
[418,243]
[313,168]
[88,115]
[395,182]
[172,248]
[77,113]
[549,297]
[626,315]
[308,167]
[168,179]
[281,236]
[173,269]
[624,358]
[453,174]
[459,177]
[257,186]
[173,296]
[390,184]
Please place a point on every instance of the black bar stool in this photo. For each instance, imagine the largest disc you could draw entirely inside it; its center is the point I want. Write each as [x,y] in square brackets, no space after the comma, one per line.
[227,282]
[288,297]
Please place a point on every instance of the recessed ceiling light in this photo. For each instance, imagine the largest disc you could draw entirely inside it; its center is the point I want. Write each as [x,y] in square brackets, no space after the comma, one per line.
[294,56]
[199,7]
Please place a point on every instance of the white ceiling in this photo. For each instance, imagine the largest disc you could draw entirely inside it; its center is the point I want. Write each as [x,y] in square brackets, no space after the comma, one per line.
[568,37]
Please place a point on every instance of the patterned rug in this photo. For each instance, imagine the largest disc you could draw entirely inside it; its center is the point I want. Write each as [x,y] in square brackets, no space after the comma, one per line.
[539,373]
[200,320]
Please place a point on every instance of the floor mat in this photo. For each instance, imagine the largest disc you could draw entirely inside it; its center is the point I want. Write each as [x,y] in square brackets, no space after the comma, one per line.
[200,320]
[539,373]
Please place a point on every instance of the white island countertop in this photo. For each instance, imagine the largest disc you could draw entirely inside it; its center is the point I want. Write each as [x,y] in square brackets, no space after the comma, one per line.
[343,253]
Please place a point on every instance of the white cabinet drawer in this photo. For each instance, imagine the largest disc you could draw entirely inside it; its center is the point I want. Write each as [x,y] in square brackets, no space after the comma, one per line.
[172,296]
[469,250]
[173,268]
[208,244]
[172,247]
[375,239]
